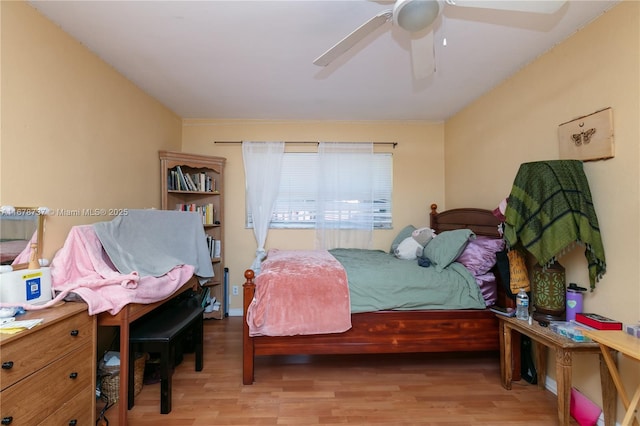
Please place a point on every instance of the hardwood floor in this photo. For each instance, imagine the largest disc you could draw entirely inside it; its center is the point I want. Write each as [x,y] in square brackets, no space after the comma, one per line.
[329,390]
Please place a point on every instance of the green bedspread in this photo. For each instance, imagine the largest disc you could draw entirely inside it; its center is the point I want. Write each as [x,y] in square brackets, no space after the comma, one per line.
[380,281]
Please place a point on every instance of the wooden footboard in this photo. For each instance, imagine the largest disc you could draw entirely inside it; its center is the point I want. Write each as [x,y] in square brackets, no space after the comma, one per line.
[379,332]
[392,331]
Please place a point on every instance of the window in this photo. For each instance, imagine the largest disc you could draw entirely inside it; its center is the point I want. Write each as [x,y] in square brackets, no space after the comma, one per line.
[296,203]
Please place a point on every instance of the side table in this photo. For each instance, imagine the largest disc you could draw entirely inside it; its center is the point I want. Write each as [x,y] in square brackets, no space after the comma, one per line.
[542,339]
[630,347]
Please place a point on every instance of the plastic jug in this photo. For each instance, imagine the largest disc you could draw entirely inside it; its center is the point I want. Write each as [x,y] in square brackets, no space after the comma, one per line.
[574,301]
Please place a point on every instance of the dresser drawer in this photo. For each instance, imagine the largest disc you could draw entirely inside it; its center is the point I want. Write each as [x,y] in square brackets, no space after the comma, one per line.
[74,412]
[41,394]
[23,356]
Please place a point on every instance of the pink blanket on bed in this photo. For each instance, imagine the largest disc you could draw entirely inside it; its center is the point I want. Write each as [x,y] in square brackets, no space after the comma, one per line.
[300,292]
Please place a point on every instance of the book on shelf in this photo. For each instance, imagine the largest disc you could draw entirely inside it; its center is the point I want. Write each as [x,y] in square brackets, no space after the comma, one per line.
[208,214]
[190,183]
[214,247]
[507,312]
[174,180]
[206,211]
[186,207]
[598,322]
[197,179]
[182,183]
[179,180]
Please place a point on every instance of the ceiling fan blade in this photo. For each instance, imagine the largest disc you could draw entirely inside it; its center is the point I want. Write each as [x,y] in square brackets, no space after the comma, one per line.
[352,39]
[423,57]
[533,6]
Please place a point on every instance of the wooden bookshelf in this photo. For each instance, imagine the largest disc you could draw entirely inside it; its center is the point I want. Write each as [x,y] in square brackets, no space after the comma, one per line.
[194,182]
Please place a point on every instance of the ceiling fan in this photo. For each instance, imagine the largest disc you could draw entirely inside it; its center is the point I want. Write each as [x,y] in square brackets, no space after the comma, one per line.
[416,16]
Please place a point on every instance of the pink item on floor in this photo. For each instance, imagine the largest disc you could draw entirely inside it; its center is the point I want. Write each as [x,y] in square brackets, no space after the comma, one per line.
[583,409]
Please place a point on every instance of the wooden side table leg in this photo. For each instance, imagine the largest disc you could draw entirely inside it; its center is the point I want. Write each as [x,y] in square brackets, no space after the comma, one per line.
[563,379]
[516,356]
[541,363]
[124,370]
[502,360]
[609,393]
[506,358]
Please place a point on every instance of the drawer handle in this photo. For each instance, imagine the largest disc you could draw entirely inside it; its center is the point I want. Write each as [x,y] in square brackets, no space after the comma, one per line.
[7,365]
[7,420]
[73,375]
[73,422]
[74,333]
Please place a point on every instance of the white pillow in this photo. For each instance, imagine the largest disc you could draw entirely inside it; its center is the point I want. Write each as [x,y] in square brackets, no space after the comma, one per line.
[407,249]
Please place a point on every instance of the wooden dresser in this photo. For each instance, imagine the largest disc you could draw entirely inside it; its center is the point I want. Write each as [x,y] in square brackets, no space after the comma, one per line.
[48,373]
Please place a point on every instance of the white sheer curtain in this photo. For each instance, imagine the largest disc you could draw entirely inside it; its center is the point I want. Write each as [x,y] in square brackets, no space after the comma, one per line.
[345,195]
[262,167]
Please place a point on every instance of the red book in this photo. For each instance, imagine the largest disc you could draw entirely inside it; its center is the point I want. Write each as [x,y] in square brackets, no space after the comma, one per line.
[598,322]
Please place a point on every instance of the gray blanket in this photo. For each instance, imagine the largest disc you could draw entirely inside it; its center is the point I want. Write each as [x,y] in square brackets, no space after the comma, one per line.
[152,242]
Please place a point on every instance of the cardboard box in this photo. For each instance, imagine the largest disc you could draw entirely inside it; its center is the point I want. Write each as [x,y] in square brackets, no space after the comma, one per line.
[25,286]
[598,321]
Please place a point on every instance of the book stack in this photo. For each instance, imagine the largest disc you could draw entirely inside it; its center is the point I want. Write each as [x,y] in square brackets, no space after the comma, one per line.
[507,312]
[214,247]
[179,180]
[207,211]
[598,321]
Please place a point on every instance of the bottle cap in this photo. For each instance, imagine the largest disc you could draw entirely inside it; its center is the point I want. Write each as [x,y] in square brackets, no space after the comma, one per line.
[575,288]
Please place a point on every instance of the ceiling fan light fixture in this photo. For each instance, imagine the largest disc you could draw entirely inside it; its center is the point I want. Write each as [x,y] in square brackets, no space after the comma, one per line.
[415,15]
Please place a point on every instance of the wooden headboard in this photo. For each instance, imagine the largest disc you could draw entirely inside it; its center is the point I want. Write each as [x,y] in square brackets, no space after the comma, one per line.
[480,221]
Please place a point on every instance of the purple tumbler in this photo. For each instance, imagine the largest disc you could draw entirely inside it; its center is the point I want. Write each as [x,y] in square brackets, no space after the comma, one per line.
[574,301]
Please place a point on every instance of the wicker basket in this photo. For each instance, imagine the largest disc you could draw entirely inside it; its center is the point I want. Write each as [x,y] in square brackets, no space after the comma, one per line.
[110,379]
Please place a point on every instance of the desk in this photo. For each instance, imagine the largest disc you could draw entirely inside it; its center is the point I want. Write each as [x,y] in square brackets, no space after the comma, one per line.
[543,338]
[630,347]
[122,319]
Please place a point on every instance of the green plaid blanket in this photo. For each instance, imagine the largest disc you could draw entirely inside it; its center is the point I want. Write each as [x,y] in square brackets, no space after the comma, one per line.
[550,210]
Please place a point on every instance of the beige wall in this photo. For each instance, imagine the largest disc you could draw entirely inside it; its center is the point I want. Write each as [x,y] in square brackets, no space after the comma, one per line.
[417,177]
[517,122]
[75,133]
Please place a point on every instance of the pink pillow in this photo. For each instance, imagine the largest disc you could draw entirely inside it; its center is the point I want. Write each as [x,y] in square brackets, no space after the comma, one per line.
[479,255]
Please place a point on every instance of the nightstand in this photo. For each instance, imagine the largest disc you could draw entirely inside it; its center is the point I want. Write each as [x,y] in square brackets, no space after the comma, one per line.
[543,338]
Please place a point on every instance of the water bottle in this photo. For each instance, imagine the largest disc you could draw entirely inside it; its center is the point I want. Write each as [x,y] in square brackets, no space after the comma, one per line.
[522,305]
[574,301]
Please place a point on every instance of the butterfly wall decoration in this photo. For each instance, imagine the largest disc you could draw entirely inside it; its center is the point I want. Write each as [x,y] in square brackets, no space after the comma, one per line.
[587,138]
[583,137]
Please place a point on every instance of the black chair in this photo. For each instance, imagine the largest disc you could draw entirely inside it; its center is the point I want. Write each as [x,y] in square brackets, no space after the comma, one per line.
[163,332]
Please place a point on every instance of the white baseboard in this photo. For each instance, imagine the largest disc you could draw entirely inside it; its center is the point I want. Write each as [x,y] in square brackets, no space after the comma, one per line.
[235,312]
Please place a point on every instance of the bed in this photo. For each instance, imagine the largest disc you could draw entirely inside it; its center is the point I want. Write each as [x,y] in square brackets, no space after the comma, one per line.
[393,331]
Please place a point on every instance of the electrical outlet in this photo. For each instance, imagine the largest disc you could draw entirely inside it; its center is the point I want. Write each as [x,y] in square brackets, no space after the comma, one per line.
[234,290]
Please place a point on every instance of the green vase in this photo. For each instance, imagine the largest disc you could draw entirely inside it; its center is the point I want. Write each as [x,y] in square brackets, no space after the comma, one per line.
[549,292]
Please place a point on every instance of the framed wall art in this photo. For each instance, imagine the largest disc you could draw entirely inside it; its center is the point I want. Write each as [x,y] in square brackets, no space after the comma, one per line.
[587,138]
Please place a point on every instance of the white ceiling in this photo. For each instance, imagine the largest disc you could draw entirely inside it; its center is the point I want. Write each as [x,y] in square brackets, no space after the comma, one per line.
[253,59]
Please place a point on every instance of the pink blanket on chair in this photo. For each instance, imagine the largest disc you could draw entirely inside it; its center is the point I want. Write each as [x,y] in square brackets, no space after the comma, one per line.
[82,267]
[300,292]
